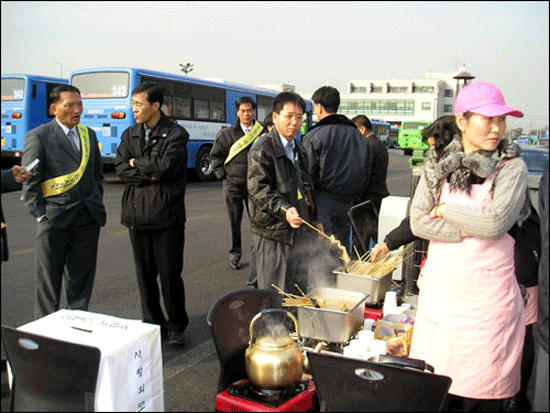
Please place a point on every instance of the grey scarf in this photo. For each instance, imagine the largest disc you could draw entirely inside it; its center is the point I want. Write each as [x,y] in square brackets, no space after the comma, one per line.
[460,169]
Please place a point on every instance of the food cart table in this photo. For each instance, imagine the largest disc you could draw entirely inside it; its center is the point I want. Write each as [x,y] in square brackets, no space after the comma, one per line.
[130,367]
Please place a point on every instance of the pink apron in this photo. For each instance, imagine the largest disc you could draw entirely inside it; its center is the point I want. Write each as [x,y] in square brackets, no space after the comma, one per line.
[470,321]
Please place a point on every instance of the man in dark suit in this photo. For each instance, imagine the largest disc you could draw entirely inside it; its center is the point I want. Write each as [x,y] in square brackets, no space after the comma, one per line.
[229,162]
[65,195]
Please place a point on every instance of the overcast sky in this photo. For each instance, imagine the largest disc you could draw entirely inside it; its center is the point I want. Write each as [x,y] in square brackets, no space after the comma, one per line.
[306,44]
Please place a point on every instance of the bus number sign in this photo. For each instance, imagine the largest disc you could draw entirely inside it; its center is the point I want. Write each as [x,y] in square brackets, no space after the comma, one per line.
[118,91]
[18,94]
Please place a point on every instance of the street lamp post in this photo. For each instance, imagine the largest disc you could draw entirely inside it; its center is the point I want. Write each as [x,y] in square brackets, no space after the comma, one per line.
[60,68]
[186,68]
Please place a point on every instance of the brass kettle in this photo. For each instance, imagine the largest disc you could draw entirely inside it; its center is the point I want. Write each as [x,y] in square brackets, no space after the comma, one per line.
[273,360]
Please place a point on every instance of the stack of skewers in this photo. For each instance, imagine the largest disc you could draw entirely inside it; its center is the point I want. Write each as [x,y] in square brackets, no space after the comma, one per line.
[293,300]
[386,264]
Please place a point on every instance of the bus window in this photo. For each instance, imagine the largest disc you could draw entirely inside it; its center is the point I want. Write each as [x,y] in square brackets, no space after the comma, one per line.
[168,106]
[13,89]
[264,105]
[216,111]
[102,85]
[182,108]
[202,109]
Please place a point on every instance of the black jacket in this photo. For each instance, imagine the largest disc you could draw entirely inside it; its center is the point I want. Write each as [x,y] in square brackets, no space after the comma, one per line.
[235,170]
[154,196]
[338,158]
[401,235]
[272,184]
[378,159]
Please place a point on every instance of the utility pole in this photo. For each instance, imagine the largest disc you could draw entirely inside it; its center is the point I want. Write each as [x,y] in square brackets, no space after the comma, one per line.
[186,68]
[60,68]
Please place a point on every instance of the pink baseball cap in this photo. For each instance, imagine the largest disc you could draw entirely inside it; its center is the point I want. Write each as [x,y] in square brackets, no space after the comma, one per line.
[484,99]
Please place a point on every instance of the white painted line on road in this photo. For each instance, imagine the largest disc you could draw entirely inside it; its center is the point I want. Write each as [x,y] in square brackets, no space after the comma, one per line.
[188,359]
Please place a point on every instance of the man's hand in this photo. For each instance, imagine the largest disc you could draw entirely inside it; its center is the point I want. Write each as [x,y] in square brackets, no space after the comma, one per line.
[20,173]
[293,218]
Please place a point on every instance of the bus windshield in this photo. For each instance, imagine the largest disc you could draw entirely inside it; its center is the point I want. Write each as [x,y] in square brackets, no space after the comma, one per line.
[414,125]
[13,89]
[101,85]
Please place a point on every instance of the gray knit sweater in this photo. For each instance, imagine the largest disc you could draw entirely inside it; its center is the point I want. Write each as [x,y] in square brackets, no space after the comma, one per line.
[510,204]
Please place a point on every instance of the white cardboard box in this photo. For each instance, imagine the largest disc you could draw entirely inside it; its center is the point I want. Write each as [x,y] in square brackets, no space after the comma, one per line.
[130,369]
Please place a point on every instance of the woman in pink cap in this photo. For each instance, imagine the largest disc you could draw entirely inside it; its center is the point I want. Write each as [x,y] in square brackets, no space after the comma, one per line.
[470,322]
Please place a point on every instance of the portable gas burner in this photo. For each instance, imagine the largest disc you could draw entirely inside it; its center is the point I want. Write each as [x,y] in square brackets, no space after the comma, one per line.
[243,396]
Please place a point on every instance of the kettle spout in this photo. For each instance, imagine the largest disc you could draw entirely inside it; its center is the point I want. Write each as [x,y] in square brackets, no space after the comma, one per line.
[320,346]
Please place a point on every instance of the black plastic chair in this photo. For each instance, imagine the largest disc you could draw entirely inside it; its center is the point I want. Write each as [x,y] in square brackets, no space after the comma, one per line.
[364,224]
[49,374]
[229,320]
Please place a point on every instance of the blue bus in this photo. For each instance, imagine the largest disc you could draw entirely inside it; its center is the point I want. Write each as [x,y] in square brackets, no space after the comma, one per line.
[202,107]
[381,129]
[25,105]
[394,134]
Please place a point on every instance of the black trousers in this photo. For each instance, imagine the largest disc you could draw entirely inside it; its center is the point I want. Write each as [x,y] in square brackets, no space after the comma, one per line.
[236,201]
[69,254]
[333,214]
[159,253]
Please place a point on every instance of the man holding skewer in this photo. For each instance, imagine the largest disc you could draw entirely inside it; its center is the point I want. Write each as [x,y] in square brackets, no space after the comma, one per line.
[278,184]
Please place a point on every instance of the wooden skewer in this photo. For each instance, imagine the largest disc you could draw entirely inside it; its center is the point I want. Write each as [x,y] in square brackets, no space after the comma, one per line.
[357,253]
[300,290]
[333,240]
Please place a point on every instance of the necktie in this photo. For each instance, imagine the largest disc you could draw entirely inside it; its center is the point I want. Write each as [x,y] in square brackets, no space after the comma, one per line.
[73,140]
[289,151]
[147,135]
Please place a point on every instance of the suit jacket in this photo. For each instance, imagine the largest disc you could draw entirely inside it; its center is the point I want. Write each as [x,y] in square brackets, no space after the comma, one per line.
[235,170]
[57,158]
[8,185]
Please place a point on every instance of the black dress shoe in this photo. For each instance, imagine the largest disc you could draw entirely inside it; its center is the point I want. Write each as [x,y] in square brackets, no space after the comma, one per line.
[234,264]
[176,337]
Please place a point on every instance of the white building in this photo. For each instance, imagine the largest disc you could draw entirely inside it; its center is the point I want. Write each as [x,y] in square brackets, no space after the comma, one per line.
[398,100]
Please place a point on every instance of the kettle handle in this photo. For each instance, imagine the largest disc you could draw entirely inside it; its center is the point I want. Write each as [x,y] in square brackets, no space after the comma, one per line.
[268,311]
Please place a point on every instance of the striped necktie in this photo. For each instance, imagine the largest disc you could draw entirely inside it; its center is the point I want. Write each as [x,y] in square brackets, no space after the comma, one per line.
[147,135]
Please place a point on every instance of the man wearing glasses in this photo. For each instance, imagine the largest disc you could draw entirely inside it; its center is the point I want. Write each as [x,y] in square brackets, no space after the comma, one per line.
[277,186]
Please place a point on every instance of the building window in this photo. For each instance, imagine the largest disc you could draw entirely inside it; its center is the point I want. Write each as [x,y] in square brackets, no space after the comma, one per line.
[372,107]
[448,93]
[376,89]
[423,89]
[426,105]
[358,89]
[448,108]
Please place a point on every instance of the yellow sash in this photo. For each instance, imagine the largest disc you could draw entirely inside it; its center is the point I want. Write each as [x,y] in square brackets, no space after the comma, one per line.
[244,141]
[60,184]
